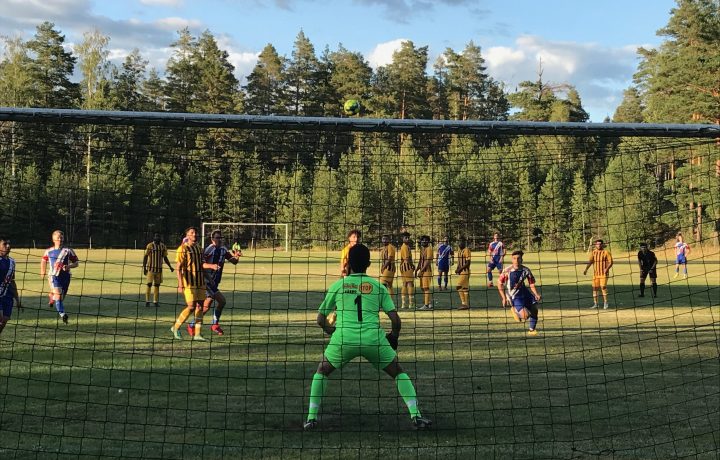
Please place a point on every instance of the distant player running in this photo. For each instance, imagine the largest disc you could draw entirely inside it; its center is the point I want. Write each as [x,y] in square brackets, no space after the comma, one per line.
[648,266]
[407,274]
[601,261]
[444,260]
[424,272]
[191,282]
[463,272]
[353,238]
[215,254]
[496,251]
[8,288]
[358,299]
[61,260]
[521,299]
[387,259]
[155,254]
[682,250]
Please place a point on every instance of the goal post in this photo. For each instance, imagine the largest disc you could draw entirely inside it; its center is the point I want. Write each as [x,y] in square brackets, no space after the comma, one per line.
[208,227]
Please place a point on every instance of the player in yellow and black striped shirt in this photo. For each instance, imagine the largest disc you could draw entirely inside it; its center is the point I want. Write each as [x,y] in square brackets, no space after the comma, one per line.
[155,254]
[601,261]
[191,282]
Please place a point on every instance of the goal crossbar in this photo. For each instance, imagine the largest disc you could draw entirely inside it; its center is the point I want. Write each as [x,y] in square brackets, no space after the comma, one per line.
[246,224]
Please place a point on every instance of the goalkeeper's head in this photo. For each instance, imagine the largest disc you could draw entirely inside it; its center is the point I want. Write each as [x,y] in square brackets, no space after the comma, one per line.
[359,258]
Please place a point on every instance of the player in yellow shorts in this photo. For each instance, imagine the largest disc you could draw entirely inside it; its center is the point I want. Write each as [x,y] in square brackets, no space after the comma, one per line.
[155,254]
[191,282]
[463,272]
[407,273]
[425,272]
[387,259]
[358,298]
[601,261]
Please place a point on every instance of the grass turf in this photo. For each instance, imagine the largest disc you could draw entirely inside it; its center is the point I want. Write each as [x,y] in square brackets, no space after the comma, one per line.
[641,379]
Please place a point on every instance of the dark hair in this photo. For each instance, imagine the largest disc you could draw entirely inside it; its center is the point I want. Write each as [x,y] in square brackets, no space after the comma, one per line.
[355,231]
[600,241]
[518,253]
[643,245]
[405,234]
[214,232]
[425,237]
[4,238]
[359,258]
[188,229]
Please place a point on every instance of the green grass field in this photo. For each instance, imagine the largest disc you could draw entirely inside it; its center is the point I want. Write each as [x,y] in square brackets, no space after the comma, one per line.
[639,380]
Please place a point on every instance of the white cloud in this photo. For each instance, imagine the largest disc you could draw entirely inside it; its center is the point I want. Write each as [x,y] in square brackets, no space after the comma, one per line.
[176,23]
[382,53]
[600,73]
[171,3]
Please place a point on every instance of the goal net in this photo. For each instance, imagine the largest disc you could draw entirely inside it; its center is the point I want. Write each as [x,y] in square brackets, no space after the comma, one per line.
[613,360]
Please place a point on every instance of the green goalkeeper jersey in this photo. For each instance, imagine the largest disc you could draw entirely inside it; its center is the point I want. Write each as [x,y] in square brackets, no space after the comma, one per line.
[358,299]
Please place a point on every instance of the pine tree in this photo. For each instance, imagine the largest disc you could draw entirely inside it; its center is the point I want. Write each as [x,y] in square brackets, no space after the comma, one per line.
[216,85]
[265,85]
[630,109]
[406,95]
[302,79]
[182,73]
[51,68]
[127,88]
[15,75]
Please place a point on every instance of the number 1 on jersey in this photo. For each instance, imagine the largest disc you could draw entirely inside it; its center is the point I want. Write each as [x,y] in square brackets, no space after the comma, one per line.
[358,303]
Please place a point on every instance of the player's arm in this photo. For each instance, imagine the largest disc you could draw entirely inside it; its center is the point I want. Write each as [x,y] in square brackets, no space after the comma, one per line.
[74,261]
[167,261]
[16,293]
[179,271]
[610,264]
[43,266]
[533,289]
[462,267]
[322,321]
[233,259]
[654,262]
[589,264]
[640,261]
[145,258]
[504,300]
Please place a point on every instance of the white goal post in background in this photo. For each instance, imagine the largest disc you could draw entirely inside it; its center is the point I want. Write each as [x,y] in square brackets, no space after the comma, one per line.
[213,225]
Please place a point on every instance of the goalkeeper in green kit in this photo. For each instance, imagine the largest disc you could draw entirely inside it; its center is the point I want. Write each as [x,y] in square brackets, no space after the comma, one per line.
[357,300]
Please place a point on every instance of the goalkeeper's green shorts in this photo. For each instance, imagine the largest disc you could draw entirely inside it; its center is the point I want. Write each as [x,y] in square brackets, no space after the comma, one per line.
[371,344]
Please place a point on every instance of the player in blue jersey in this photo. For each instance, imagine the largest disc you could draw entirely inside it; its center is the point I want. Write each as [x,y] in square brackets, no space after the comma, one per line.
[215,255]
[496,251]
[682,250]
[8,288]
[358,299]
[444,260]
[521,299]
[61,260]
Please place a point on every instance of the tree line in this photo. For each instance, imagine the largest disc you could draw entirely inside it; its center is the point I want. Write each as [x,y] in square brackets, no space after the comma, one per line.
[116,184]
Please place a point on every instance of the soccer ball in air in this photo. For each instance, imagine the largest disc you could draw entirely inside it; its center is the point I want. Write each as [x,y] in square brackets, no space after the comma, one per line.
[351,107]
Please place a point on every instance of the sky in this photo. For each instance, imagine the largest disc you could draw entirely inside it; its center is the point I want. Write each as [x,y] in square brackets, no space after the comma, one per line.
[591,45]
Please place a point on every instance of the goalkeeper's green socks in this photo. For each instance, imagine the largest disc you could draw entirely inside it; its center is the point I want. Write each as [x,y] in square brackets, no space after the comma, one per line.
[317,390]
[407,391]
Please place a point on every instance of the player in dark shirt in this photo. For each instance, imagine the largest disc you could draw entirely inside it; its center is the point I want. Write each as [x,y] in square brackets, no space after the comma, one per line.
[648,265]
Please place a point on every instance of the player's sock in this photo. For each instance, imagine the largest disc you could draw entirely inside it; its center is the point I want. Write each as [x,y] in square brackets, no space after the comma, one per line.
[216,316]
[147,294]
[197,327]
[182,317]
[489,274]
[59,306]
[156,294]
[427,298]
[642,289]
[317,390]
[407,391]
[654,289]
[439,281]
[445,279]
[532,323]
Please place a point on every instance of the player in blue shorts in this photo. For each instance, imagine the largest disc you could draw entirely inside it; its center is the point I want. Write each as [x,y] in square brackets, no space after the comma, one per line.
[496,251]
[8,288]
[521,299]
[215,255]
[682,249]
[358,299]
[61,260]
[444,260]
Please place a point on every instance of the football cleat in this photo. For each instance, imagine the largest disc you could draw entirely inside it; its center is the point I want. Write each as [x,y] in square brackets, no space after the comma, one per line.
[65,318]
[605,306]
[490,284]
[199,338]
[421,423]
[641,295]
[532,332]
[191,330]
[175,333]
[157,305]
[310,424]
[594,306]
[464,307]
[147,304]
[217,329]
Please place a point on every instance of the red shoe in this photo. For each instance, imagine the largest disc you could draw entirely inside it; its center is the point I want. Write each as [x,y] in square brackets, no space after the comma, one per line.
[216,329]
[191,330]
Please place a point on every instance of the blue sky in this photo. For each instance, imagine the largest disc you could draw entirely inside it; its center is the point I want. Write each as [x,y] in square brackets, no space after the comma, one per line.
[591,45]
